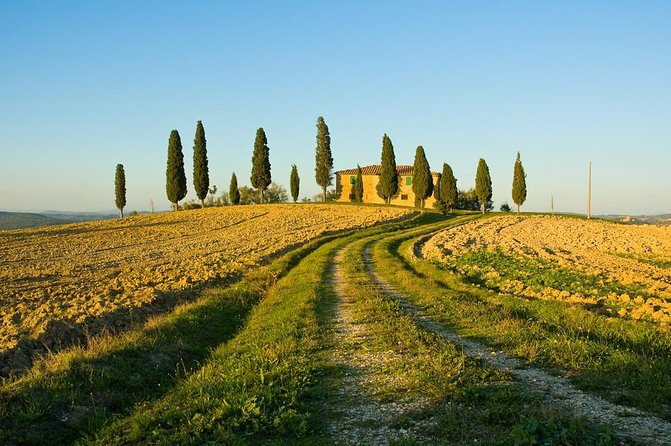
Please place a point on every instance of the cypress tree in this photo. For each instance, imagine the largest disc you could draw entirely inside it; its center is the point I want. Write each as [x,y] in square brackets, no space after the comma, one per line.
[120,188]
[201,176]
[388,176]
[261,163]
[175,185]
[448,187]
[294,182]
[233,191]
[323,158]
[358,186]
[422,181]
[483,184]
[519,183]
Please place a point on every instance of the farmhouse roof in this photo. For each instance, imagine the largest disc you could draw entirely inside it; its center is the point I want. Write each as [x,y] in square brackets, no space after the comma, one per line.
[375,169]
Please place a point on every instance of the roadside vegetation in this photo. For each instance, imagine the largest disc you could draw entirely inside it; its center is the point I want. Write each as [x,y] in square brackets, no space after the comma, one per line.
[627,362]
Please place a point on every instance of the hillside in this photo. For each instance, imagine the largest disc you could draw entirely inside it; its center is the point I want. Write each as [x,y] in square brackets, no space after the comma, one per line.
[63,282]
[21,220]
[354,338]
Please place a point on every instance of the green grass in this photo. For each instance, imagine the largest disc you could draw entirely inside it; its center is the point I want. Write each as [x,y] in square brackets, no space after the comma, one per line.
[627,362]
[470,403]
[259,385]
[538,273]
[249,364]
[650,260]
[77,392]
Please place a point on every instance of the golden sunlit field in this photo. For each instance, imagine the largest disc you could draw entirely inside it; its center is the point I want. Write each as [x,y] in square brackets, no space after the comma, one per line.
[62,282]
[275,325]
[621,270]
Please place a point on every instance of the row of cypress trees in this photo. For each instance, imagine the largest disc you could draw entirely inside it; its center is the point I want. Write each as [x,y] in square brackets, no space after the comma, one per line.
[446,193]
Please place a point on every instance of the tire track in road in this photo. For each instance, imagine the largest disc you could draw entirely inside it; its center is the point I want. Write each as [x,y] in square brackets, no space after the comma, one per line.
[627,422]
[358,418]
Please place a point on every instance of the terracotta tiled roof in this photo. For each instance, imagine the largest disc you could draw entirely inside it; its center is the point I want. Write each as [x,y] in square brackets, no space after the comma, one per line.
[376,168]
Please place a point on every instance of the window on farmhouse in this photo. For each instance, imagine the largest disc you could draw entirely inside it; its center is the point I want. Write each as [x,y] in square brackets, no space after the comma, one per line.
[404,197]
[408,181]
[352,179]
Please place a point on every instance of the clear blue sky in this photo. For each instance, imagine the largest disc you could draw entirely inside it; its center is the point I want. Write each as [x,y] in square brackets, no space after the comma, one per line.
[85,85]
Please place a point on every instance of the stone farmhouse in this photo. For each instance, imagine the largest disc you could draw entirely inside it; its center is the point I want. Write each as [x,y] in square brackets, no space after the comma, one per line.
[345,180]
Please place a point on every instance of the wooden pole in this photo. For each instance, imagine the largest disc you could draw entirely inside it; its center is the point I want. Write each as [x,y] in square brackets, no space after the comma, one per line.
[589,192]
[552,204]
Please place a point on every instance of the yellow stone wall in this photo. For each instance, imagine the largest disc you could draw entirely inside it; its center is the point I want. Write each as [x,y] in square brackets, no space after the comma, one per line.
[405,196]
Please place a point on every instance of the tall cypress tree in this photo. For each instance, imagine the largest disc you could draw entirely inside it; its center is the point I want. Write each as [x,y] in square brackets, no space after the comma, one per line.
[175,185]
[201,176]
[388,175]
[483,184]
[294,182]
[358,186]
[120,188]
[422,181]
[323,158]
[519,183]
[233,191]
[448,187]
[261,163]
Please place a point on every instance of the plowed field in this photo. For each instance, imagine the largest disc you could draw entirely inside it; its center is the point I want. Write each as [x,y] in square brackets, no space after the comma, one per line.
[611,268]
[60,283]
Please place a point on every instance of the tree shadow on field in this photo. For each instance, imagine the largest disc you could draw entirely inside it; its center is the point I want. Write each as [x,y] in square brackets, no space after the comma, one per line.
[61,334]
[74,391]
[78,392]
[64,333]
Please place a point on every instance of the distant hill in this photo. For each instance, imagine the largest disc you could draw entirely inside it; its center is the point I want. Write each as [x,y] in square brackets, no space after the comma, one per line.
[663,219]
[20,220]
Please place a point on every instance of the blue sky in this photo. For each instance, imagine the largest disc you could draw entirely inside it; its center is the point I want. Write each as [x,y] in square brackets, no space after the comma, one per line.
[86,85]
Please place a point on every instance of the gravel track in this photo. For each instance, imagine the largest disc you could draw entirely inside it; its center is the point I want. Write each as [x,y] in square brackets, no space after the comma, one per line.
[358,417]
[557,391]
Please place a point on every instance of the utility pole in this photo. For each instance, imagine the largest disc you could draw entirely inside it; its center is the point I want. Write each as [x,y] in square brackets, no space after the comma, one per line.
[552,204]
[589,192]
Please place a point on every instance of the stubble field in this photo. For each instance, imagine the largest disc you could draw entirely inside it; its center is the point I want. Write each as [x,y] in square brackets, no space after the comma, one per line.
[62,283]
[613,269]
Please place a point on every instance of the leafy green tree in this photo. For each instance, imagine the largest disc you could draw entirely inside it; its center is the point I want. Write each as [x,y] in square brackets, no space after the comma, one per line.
[201,176]
[422,181]
[233,192]
[274,194]
[358,186]
[388,177]
[448,187]
[175,185]
[519,183]
[468,201]
[120,188]
[323,158]
[483,184]
[505,207]
[261,163]
[294,182]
